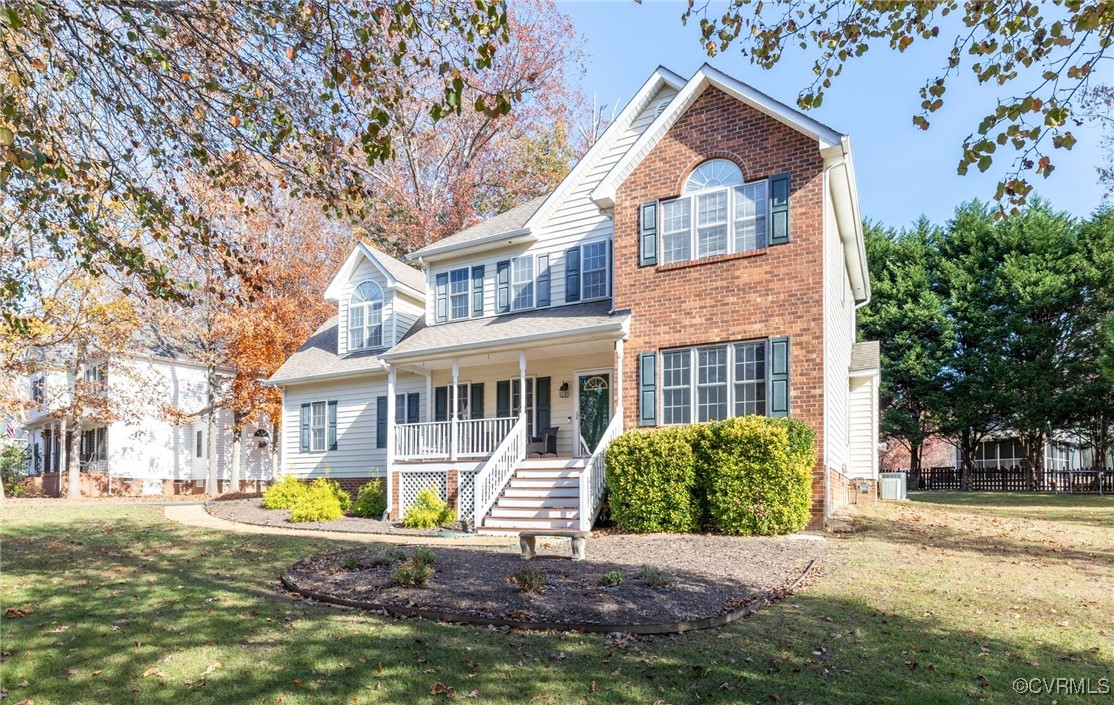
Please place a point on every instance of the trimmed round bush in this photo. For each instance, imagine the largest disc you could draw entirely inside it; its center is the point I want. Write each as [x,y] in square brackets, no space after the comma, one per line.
[652,481]
[321,502]
[429,511]
[371,501]
[285,493]
[756,475]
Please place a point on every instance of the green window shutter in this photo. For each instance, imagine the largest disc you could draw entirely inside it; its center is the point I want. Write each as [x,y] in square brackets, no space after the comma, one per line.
[543,280]
[331,437]
[305,430]
[503,399]
[648,233]
[648,389]
[477,291]
[441,302]
[413,407]
[503,287]
[572,274]
[441,404]
[381,422]
[476,399]
[542,404]
[779,209]
[778,377]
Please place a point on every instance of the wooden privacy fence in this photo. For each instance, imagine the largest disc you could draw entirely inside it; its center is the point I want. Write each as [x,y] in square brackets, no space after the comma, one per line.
[1015,479]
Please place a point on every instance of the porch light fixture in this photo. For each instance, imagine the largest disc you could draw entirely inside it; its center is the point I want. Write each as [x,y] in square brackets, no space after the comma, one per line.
[564,391]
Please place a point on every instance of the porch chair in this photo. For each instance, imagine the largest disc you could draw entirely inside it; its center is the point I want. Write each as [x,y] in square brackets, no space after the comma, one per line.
[544,444]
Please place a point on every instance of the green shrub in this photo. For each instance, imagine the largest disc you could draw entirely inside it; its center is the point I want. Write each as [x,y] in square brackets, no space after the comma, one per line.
[13,466]
[424,555]
[319,503]
[528,580]
[350,564]
[756,475]
[412,573]
[651,480]
[388,556]
[285,493]
[654,577]
[611,578]
[325,485]
[429,511]
[371,500]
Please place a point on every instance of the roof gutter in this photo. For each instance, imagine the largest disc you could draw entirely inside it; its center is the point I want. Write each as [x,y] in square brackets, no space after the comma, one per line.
[381,367]
[510,237]
[849,222]
[450,350]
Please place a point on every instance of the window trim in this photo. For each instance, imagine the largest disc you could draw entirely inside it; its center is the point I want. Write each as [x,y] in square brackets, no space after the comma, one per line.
[466,293]
[366,306]
[606,270]
[324,428]
[199,444]
[692,414]
[694,229]
[531,283]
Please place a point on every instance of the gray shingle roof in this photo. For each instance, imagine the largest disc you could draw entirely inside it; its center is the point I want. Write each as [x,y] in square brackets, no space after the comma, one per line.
[413,278]
[505,222]
[865,356]
[318,357]
[508,329]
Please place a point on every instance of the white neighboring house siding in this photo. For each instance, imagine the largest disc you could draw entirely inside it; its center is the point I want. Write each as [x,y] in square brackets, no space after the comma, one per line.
[864,427]
[839,338]
[575,220]
[356,454]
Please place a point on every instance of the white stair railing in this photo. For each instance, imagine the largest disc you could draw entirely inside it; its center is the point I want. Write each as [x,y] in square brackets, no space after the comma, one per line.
[593,475]
[498,470]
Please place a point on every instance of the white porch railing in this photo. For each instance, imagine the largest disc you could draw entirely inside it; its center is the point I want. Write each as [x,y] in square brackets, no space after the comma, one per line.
[449,440]
[592,476]
[498,469]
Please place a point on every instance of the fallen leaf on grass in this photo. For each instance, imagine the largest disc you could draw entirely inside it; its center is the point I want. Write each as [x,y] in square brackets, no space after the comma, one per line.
[14,613]
[442,689]
[153,671]
[212,667]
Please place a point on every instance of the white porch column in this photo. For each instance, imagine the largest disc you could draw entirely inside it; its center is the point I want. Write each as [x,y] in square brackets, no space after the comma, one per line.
[617,402]
[390,434]
[453,427]
[522,384]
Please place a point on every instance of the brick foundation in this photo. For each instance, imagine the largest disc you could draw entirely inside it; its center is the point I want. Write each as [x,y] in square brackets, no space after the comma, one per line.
[844,491]
[98,484]
[772,292]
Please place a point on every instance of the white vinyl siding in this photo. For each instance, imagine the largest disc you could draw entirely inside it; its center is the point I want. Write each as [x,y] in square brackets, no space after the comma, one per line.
[863,422]
[839,338]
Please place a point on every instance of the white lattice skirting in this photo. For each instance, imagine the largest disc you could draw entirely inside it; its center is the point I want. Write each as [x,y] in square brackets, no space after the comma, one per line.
[411,482]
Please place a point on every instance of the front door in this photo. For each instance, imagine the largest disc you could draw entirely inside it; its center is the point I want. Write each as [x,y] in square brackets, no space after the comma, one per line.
[594,408]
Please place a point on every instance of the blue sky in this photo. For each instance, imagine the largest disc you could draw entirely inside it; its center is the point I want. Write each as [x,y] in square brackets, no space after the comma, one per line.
[903,172]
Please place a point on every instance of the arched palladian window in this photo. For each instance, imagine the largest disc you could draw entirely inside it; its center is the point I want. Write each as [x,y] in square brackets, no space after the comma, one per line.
[365,317]
[718,214]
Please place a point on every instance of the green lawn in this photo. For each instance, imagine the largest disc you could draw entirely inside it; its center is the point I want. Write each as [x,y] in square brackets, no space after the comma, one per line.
[940,600]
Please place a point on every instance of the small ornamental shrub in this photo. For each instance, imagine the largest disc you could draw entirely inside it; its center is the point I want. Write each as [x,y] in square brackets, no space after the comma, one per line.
[412,573]
[320,503]
[429,511]
[371,501]
[652,482]
[343,498]
[388,556]
[13,467]
[654,577]
[424,555]
[528,580]
[611,578]
[284,493]
[350,563]
[756,474]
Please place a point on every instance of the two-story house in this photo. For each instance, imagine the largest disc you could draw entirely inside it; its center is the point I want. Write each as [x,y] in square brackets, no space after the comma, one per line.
[703,260]
[149,433]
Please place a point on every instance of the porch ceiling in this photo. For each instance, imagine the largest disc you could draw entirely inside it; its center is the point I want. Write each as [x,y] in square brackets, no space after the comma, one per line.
[578,350]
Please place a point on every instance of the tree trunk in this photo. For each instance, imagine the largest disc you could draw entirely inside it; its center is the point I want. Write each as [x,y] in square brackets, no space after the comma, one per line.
[967,459]
[1034,454]
[211,487]
[73,458]
[234,474]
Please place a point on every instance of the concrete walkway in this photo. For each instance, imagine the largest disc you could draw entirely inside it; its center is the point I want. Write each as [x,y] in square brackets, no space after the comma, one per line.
[195,515]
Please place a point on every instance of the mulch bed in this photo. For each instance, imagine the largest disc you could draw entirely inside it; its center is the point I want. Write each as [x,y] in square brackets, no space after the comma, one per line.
[709,576]
[251,511]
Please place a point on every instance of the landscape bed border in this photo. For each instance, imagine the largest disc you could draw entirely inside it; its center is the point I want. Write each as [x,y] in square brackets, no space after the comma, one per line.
[767,597]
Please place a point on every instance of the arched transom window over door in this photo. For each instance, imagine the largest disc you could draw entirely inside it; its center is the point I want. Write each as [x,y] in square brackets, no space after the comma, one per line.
[365,317]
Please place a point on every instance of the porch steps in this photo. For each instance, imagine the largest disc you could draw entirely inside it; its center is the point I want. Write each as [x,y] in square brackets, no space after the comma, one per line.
[543,493]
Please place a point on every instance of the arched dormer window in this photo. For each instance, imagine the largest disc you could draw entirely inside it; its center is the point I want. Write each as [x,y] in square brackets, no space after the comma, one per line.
[365,317]
[713,173]
[718,214]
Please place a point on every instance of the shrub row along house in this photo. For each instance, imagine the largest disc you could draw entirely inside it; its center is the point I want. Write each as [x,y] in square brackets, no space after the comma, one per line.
[704,260]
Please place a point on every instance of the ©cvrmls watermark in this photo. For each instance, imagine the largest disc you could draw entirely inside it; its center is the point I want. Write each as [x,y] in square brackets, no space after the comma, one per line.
[1062,686]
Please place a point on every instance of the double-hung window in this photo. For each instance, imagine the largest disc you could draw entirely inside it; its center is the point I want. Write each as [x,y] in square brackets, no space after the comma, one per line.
[317,426]
[717,214]
[593,269]
[522,282]
[458,294]
[713,382]
[365,317]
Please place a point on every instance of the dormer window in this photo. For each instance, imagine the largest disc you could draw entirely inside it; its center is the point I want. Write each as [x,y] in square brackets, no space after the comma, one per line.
[365,317]
[717,214]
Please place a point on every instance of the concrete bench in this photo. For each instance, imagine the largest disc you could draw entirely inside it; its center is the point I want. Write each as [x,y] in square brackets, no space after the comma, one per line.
[526,541]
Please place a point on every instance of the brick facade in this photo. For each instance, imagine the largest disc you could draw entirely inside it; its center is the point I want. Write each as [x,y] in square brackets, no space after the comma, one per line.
[98,484]
[772,292]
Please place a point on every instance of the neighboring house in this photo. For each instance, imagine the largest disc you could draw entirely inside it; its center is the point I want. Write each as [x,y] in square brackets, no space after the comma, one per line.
[1004,449]
[157,442]
[703,260]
